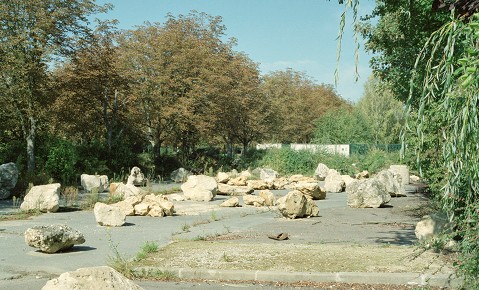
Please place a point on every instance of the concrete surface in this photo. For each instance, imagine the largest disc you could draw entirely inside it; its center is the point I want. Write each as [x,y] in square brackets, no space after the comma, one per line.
[22,267]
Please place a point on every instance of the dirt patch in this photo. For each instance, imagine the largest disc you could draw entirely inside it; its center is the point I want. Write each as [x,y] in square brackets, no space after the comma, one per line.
[227,255]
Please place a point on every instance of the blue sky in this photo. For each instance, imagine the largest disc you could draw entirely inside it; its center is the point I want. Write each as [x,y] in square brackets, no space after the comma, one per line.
[277,34]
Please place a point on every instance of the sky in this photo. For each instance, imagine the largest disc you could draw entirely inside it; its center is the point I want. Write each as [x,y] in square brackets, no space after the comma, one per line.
[276,34]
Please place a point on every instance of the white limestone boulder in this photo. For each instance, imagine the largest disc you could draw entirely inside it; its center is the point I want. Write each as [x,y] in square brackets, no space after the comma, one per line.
[268,196]
[231,202]
[225,189]
[431,226]
[44,198]
[334,182]
[392,182]
[53,238]
[321,172]
[98,183]
[311,190]
[367,193]
[102,277]
[253,200]
[107,215]
[200,188]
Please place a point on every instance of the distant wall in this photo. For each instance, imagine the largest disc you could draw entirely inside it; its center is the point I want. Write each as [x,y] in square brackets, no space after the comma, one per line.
[342,149]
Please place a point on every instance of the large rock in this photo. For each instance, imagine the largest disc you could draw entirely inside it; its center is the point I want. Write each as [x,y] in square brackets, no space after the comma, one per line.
[102,277]
[126,190]
[367,193]
[98,183]
[225,189]
[431,226]
[293,205]
[311,209]
[259,184]
[347,180]
[268,174]
[230,202]
[281,183]
[161,201]
[107,215]
[392,182]
[200,188]
[44,198]
[268,196]
[8,179]
[238,181]
[180,175]
[301,178]
[403,171]
[334,182]
[53,238]
[253,200]
[321,172]
[127,205]
[136,177]
[311,190]
[222,177]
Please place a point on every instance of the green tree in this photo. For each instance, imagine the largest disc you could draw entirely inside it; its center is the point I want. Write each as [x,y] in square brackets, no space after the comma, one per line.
[297,101]
[342,126]
[385,115]
[32,31]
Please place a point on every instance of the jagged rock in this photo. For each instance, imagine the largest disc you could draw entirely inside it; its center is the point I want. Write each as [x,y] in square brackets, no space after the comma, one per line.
[226,189]
[259,184]
[246,173]
[53,238]
[312,209]
[311,190]
[142,209]
[253,200]
[8,179]
[238,181]
[156,211]
[268,196]
[392,183]
[180,175]
[230,202]
[293,205]
[222,177]
[127,205]
[431,226]
[367,193]
[164,203]
[102,277]
[136,177]
[362,175]
[98,183]
[402,171]
[107,215]
[175,197]
[301,178]
[348,180]
[280,183]
[334,182]
[126,190]
[42,197]
[268,174]
[200,188]
[321,172]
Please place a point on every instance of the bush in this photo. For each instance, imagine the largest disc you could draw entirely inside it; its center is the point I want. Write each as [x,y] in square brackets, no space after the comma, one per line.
[61,162]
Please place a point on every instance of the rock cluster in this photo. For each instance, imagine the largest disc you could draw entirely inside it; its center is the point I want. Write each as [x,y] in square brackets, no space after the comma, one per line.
[296,205]
[53,238]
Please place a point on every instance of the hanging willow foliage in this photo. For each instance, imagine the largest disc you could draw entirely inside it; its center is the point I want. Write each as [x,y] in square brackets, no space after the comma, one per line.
[450,93]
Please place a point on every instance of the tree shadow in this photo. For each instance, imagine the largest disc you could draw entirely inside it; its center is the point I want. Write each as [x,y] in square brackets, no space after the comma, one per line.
[400,237]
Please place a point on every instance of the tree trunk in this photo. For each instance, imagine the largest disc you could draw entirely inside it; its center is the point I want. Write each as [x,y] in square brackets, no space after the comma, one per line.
[30,139]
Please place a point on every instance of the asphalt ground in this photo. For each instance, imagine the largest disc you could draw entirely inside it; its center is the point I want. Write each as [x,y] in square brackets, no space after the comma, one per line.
[23,267]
